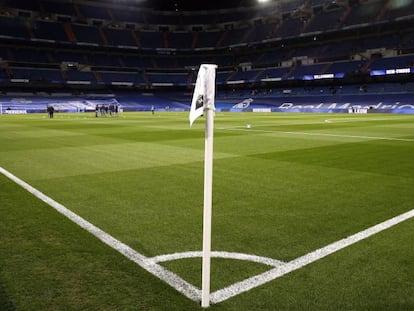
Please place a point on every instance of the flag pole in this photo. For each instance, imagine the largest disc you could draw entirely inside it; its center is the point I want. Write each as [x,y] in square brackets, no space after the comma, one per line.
[203,103]
[208,190]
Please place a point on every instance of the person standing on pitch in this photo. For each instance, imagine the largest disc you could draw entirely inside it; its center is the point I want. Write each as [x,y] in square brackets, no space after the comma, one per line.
[50,111]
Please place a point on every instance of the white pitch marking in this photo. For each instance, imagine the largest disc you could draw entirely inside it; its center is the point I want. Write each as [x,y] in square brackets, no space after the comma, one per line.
[319,134]
[216,254]
[287,122]
[349,136]
[167,276]
[255,281]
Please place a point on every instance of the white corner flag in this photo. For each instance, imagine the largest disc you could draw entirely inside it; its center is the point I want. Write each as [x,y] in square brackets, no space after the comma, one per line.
[203,103]
[204,91]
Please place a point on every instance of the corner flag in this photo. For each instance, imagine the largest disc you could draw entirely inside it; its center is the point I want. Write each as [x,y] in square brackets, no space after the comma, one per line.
[204,91]
[203,103]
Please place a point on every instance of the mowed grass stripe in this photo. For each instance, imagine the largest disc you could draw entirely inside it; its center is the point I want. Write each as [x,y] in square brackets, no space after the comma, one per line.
[237,177]
[154,210]
[298,207]
[277,195]
[394,158]
[80,160]
[49,263]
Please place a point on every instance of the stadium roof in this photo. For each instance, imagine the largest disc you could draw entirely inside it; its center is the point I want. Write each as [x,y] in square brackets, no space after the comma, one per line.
[186,5]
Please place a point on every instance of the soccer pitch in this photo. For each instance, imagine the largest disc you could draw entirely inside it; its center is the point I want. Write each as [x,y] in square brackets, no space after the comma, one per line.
[284,186]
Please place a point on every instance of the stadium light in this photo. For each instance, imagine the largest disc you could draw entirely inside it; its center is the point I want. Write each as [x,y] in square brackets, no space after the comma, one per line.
[262,1]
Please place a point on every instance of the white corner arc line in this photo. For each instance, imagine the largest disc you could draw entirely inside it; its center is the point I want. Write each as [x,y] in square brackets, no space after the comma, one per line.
[255,281]
[220,254]
[182,286]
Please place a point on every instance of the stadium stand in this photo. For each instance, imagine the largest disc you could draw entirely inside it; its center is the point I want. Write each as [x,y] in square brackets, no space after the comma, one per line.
[87,34]
[120,37]
[60,8]
[94,12]
[13,27]
[49,30]
[299,43]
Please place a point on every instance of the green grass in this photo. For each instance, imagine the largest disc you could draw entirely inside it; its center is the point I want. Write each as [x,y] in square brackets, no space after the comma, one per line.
[287,186]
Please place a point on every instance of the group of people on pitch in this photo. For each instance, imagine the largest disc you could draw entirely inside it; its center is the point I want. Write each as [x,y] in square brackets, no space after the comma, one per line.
[103,110]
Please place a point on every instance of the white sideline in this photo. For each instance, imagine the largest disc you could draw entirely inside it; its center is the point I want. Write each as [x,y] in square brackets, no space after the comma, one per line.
[349,136]
[239,128]
[302,261]
[167,276]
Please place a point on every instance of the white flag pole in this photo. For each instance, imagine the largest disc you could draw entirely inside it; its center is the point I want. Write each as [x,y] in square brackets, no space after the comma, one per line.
[203,103]
[208,190]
